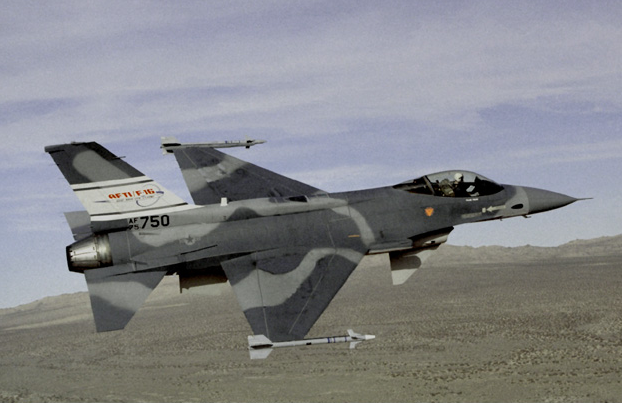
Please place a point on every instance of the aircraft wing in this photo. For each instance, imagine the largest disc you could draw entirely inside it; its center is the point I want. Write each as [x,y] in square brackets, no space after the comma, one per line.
[211,175]
[284,291]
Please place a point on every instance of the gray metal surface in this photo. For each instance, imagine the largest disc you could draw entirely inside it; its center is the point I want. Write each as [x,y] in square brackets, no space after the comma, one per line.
[285,247]
[211,175]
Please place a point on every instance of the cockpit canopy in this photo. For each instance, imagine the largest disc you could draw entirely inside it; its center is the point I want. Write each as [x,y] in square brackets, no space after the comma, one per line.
[451,184]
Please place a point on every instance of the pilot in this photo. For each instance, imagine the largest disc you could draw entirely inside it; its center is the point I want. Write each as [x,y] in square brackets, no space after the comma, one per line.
[460,188]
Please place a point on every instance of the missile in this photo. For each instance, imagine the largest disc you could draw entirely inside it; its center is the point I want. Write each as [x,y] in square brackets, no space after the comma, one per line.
[260,346]
[171,143]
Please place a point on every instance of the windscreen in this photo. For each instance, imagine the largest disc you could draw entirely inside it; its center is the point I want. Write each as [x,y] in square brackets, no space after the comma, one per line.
[452,184]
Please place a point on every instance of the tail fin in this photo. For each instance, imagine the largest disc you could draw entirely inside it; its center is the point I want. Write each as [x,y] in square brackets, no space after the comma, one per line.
[108,187]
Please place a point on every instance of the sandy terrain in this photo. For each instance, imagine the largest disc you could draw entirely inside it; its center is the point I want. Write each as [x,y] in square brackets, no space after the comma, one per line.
[476,324]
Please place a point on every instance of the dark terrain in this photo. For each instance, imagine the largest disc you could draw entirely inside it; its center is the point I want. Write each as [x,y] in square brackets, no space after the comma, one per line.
[475,324]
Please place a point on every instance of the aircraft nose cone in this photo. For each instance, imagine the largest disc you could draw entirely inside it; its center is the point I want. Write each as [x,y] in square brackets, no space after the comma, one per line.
[543,200]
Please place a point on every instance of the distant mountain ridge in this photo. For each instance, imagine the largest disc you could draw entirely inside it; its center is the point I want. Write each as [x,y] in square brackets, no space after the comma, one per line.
[603,246]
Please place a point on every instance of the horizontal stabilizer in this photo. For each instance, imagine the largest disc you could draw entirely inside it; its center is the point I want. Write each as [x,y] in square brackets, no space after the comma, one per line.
[117,292]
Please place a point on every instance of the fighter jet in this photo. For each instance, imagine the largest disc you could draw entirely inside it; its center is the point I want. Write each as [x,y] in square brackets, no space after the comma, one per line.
[285,247]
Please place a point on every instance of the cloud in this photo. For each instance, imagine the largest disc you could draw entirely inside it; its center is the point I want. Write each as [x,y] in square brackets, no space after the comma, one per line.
[286,66]
[119,72]
[569,153]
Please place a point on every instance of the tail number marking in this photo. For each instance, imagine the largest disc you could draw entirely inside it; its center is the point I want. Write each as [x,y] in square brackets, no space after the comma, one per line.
[154,221]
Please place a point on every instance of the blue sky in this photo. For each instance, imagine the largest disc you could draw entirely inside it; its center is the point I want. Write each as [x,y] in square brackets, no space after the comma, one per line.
[348,94]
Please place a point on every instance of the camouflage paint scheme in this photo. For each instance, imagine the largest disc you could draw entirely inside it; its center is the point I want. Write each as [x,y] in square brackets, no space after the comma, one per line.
[285,247]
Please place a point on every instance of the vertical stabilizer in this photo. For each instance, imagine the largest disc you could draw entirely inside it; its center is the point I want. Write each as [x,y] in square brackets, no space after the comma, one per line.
[108,187]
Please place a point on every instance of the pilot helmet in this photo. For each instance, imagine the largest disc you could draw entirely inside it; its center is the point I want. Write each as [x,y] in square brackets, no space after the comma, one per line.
[458,176]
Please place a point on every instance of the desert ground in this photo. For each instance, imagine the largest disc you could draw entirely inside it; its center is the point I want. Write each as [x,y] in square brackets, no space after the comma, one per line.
[484,324]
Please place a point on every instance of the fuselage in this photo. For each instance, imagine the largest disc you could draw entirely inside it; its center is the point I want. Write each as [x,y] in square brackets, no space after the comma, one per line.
[399,220]
[372,221]
[285,247]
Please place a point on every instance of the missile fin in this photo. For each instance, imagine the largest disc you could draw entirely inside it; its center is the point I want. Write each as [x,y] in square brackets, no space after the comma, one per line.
[260,354]
[259,347]
[258,341]
[354,335]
